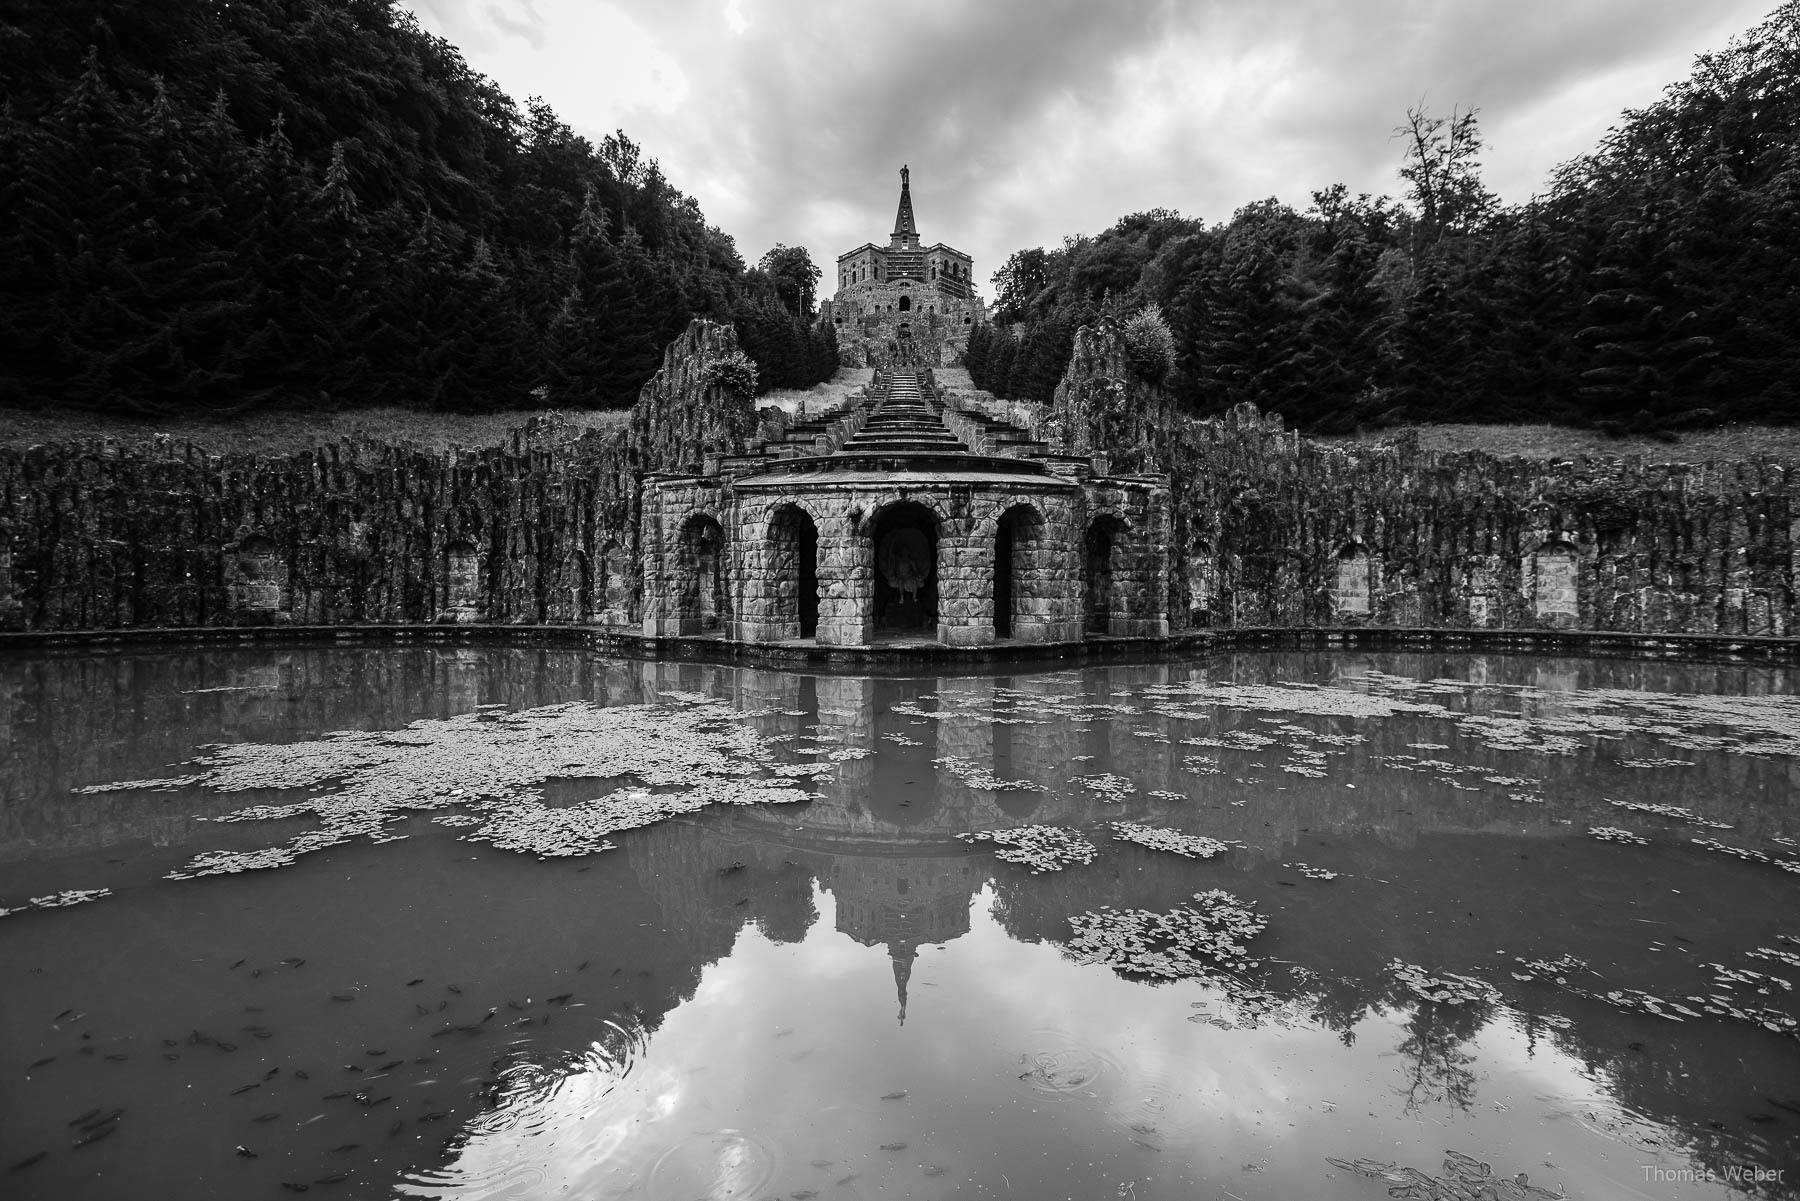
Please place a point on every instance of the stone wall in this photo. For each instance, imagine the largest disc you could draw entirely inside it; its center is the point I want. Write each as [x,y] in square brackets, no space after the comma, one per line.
[98,536]
[1274,529]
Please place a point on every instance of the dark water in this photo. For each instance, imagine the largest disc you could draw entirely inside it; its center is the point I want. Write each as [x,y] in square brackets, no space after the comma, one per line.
[836,998]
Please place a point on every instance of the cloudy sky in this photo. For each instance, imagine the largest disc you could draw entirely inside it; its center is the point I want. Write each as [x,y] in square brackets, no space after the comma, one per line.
[1028,120]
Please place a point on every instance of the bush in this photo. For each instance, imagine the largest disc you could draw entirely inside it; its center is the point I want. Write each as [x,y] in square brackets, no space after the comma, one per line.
[1149,345]
[736,371]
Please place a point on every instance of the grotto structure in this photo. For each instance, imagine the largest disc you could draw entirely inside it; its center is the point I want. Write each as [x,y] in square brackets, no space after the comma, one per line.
[902,517]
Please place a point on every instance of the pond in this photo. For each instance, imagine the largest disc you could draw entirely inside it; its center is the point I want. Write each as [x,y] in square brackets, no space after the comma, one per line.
[499,922]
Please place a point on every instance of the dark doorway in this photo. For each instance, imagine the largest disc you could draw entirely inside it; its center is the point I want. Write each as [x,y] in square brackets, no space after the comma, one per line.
[809,579]
[1100,576]
[1003,579]
[1016,545]
[700,581]
[905,303]
[906,591]
[795,557]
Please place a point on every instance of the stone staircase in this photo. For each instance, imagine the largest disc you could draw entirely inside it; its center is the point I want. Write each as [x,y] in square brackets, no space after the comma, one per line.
[904,422]
[897,425]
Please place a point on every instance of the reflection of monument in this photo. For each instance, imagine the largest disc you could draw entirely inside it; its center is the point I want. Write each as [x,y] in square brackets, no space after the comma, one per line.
[904,903]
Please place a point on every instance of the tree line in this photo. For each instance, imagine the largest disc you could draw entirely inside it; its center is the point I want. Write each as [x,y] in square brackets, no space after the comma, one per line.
[1654,285]
[216,208]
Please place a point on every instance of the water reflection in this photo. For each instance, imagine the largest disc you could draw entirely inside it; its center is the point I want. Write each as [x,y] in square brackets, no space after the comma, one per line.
[840,999]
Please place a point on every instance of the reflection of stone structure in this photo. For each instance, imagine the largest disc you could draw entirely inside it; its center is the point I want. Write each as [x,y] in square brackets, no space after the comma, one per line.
[904,303]
[904,515]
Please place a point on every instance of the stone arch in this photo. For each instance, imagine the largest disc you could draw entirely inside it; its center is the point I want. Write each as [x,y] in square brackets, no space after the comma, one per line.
[1350,591]
[612,584]
[1100,603]
[571,597]
[905,302]
[1021,558]
[462,581]
[258,576]
[1555,592]
[906,537]
[1202,582]
[702,604]
[792,565]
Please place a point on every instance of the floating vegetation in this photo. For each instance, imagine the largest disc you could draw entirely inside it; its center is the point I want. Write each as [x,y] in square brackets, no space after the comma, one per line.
[1747,855]
[1164,794]
[1649,763]
[1676,812]
[1199,765]
[165,784]
[1194,846]
[1196,939]
[1234,740]
[1776,955]
[901,740]
[58,900]
[1635,1000]
[1762,982]
[1040,848]
[1615,834]
[1556,970]
[1111,788]
[1313,873]
[1463,1179]
[980,778]
[681,755]
[1296,698]
[1447,989]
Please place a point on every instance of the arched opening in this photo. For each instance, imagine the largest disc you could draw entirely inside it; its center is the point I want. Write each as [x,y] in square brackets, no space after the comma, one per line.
[1350,591]
[700,577]
[257,586]
[1099,604]
[794,571]
[905,303]
[1555,594]
[1200,582]
[905,536]
[1018,545]
[905,330]
[462,580]
[614,585]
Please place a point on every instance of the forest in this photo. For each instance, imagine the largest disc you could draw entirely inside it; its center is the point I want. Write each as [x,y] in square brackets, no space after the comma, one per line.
[1653,285]
[214,209]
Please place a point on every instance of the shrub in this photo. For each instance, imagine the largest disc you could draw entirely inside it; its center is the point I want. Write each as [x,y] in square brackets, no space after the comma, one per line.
[1149,345]
[736,371]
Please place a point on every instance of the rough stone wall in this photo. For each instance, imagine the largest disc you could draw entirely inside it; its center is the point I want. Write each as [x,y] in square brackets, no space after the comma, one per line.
[1267,526]
[682,417]
[98,536]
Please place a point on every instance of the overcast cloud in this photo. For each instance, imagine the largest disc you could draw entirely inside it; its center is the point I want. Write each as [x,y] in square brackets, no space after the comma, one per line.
[1028,120]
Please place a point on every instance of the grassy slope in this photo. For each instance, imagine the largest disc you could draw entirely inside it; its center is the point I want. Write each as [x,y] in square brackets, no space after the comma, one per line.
[1728,443]
[285,433]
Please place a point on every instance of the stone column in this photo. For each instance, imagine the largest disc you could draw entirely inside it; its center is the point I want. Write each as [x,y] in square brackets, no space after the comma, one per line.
[846,583]
[965,567]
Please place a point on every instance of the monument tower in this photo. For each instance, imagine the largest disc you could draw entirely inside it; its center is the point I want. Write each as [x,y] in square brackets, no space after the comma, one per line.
[904,302]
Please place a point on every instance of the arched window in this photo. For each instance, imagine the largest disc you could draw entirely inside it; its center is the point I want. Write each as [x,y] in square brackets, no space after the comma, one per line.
[905,303]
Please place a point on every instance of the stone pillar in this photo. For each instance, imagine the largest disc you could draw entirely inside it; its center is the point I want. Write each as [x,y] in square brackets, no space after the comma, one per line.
[846,584]
[965,567]
[1056,593]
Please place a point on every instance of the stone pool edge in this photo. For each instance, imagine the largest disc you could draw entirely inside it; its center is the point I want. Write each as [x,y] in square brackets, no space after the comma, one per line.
[604,640]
